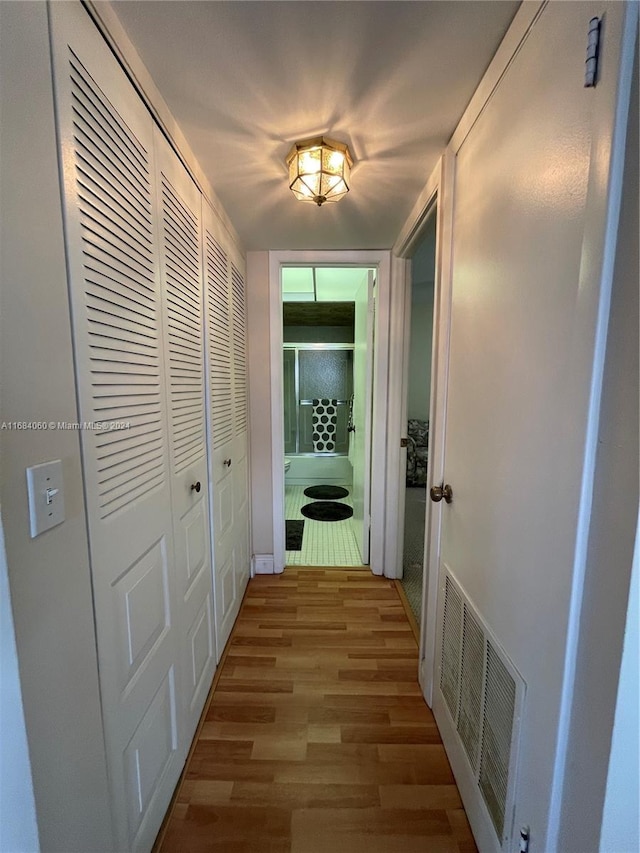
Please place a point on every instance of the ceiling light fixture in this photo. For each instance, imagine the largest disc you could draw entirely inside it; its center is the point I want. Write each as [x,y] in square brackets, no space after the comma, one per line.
[319,170]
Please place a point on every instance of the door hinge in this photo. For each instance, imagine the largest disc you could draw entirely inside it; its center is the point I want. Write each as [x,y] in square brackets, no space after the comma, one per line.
[593,49]
[404,442]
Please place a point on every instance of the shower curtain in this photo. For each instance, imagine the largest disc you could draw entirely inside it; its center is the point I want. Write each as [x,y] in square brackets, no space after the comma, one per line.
[325,416]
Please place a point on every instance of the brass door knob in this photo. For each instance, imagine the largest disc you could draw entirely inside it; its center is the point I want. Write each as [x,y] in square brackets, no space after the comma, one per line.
[439,493]
[195,487]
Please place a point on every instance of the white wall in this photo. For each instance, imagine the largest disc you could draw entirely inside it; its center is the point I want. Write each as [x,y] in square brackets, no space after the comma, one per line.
[18,827]
[49,576]
[259,356]
[611,541]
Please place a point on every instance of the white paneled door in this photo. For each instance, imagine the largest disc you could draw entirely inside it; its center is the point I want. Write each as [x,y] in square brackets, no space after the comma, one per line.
[112,240]
[180,240]
[526,291]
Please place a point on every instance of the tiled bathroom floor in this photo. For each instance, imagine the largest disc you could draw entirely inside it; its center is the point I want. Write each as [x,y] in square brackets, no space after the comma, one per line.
[324,543]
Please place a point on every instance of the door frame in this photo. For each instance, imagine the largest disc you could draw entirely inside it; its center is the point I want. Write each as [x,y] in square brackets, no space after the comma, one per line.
[381,260]
[363,426]
[438,191]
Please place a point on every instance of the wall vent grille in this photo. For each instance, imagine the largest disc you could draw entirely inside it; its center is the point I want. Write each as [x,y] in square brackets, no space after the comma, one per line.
[470,710]
[497,730]
[450,658]
[484,694]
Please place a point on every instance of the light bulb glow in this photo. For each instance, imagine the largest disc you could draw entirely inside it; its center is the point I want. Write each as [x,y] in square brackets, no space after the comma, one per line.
[309,163]
[336,159]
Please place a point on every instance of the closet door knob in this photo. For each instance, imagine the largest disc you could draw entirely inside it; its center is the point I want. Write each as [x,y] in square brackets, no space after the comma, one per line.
[195,487]
[227,463]
[439,493]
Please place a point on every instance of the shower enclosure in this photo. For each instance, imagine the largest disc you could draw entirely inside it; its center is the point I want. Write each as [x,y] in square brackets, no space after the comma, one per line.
[317,372]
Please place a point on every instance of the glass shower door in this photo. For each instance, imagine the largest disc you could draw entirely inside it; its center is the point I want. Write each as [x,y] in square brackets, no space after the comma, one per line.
[316,372]
[290,402]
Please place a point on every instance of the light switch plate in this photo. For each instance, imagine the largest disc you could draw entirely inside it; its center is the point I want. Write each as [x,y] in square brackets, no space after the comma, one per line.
[45,488]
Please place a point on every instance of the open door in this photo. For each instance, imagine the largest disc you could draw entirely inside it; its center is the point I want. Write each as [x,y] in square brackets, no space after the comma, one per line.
[535,187]
[360,427]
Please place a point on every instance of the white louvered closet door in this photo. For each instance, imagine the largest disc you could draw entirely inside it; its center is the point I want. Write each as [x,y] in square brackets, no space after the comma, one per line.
[217,272]
[227,367]
[107,156]
[240,422]
[180,204]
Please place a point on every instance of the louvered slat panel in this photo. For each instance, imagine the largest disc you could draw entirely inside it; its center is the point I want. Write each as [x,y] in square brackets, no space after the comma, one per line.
[484,693]
[471,674]
[217,266]
[239,349]
[498,719]
[450,649]
[114,202]
[184,327]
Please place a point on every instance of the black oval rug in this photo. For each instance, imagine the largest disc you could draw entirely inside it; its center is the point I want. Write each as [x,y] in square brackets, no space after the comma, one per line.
[327,511]
[326,493]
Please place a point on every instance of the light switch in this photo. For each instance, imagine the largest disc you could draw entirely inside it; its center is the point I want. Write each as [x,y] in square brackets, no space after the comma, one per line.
[46,496]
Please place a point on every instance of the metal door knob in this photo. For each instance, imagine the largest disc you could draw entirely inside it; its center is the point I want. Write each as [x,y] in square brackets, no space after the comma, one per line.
[195,487]
[439,493]
[227,463]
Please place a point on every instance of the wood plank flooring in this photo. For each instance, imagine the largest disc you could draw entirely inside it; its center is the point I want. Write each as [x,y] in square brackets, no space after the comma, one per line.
[317,738]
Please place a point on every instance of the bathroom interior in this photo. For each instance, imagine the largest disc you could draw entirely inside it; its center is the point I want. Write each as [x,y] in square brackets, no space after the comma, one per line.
[322,342]
[320,399]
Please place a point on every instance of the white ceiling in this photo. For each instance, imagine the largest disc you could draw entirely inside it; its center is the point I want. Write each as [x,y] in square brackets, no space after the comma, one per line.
[245,79]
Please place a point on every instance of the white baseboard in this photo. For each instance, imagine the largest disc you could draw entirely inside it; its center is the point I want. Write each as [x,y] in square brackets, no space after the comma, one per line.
[262,564]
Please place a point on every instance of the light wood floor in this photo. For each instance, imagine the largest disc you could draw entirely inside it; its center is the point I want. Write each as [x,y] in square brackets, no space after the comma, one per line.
[317,739]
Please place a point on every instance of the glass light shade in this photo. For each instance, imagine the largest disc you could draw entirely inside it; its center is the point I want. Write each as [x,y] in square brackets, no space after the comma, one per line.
[319,170]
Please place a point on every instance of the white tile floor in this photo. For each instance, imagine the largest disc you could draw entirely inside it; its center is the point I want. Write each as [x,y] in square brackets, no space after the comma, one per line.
[324,543]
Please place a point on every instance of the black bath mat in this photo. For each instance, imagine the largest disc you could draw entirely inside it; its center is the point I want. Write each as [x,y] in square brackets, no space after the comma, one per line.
[294,531]
[326,493]
[327,511]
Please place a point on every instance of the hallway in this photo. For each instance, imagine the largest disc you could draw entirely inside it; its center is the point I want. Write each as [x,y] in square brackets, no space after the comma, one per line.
[317,737]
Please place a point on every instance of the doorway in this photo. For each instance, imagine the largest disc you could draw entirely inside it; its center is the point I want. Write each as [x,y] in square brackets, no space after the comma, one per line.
[327,351]
[373,516]
[416,424]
